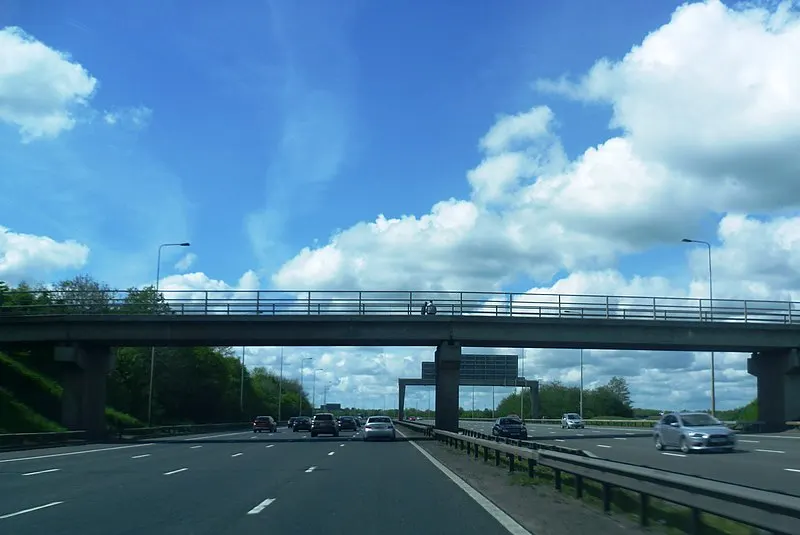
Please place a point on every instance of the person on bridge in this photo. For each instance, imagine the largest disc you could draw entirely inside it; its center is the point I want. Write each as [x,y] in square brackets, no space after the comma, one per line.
[431,309]
[424,309]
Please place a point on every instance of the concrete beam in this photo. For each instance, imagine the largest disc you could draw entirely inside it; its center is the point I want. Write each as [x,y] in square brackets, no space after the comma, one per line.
[471,331]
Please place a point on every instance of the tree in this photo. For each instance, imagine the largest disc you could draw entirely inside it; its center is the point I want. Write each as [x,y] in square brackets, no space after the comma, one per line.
[82,295]
[144,301]
[619,387]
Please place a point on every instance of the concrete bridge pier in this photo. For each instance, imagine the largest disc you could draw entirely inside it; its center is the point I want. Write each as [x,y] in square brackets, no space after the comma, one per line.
[778,378]
[401,402]
[448,378]
[84,376]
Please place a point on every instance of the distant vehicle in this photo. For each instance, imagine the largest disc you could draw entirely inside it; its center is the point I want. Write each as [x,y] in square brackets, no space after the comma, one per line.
[510,427]
[301,423]
[264,423]
[572,420]
[693,431]
[324,423]
[290,424]
[379,427]
[348,423]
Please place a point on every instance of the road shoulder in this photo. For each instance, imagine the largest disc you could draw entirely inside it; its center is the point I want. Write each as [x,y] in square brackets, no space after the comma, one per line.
[538,508]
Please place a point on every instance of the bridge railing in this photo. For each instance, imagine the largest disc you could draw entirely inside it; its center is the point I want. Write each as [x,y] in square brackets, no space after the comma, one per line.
[397,303]
[770,511]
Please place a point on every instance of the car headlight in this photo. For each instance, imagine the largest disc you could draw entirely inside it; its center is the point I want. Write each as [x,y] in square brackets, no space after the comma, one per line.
[698,435]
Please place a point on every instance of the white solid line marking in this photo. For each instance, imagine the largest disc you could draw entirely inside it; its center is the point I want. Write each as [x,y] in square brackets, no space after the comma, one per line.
[620,438]
[253,437]
[750,441]
[260,507]
[140,456]
[235,454]
[331,453]
[32,509]
[673,454]
[580,434]
[217,436]
[311,469]
[552,432]
[603,446]
[175,471]
[42,472]
[271,445]
[771,451]
[82,452]
[787,469]
[630,433]
[195,447]
[341,445]
[498,514]
[559,440]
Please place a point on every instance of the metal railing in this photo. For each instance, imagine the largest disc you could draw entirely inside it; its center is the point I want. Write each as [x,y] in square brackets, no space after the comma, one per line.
[397,303]
[40,440]
[774,512]
[188,429]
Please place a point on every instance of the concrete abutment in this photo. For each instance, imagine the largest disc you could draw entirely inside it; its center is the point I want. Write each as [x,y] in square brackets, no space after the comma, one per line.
[84,378]
[777,374]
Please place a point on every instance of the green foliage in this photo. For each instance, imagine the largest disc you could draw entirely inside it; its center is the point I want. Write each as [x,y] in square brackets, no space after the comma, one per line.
[555,399]
[19,418]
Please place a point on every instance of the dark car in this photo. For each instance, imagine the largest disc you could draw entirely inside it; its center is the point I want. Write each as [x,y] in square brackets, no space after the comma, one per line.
[324,423]
[510,427]
[290,424]
[348,423]
[264,423]
[301,423]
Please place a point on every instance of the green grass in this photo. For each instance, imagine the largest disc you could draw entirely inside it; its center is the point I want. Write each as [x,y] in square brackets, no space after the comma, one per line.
[19,418]
[671,518]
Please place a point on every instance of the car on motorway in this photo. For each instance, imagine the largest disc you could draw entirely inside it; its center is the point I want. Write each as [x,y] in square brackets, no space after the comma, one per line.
[348,423]
[572,420]
[264,423]
[510,427]
[290,423]
[301,423]
[693,431]
[324,423]
[379,427]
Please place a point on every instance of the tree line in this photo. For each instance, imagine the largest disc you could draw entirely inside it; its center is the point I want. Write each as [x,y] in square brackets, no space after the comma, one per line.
[190,384]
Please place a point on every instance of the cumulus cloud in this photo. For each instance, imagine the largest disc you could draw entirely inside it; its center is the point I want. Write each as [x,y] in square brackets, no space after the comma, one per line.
[40,88]
[25,256]
[137,117]
[186,262]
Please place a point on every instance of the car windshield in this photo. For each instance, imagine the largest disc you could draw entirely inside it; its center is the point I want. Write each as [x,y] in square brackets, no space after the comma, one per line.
[323,417]
[510,421]
[347,418]
[262,419]
[380,420]
[573,416]
[698,420]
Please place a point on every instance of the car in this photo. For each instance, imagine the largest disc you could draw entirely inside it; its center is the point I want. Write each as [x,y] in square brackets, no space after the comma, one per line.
[693,431]
[290,424]
[510,427]
[301,423]
[264,423]
[324,423]
[572,420]
[348,423]
[379,427]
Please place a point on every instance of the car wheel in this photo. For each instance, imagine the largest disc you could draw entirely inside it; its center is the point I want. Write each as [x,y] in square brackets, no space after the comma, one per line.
[684,446]
[659,444]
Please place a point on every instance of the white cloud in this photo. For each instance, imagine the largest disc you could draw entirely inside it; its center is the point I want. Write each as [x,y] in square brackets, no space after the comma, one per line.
[186,262]
[27,256]
[137,117]
[40,88]
[709,126]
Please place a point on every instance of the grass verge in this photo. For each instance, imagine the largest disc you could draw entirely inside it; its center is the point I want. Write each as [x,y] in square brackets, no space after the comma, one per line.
[671,518]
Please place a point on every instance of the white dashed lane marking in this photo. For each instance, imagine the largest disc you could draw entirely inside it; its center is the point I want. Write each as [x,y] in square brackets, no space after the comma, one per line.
[603,446]
[32,509]
[195,447]
[331,453]
[235,454]
[310,469]
[260,507]
[771,451]
[42,472]
[271,445]
[673,454]
[792,470]
[142,456]
[175,471]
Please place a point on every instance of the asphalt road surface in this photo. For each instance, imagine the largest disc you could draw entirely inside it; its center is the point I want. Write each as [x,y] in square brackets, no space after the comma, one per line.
[768,462]
[239,483]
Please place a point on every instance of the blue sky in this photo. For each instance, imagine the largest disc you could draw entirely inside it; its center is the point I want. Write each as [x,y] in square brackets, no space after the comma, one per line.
[259,131]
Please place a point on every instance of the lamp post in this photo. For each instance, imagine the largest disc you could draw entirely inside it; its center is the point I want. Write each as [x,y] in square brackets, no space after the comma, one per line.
[152,348]
[302,381]
[241,385]
[280,386]
[581,394]
[711,315]
[325,394]
[314,391]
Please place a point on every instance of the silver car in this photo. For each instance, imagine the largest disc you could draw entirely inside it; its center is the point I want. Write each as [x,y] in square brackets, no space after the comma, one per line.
[572,420]
[693,431]
[379,427]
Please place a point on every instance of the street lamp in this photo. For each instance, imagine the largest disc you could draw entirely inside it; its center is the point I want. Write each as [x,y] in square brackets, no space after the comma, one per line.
[711,315]
[325,394]
[314,391]
[152,348]
[241,385]
[302,381]
[581,395]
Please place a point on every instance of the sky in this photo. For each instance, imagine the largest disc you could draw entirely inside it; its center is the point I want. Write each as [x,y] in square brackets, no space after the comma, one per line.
[551,147]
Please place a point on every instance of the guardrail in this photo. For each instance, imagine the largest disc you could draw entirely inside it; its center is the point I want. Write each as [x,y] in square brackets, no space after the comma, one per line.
[776,513]
[39,440]
[169,430]
[269,302]
[734,424]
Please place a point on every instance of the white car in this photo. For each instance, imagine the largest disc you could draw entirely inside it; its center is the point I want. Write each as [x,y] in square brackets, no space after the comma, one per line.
[379,427]
[572,420]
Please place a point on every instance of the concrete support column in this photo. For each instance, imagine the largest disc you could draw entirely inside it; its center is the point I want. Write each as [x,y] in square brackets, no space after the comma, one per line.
[85,374]
[536,409]
[401,400]
[778,379]
[448,376]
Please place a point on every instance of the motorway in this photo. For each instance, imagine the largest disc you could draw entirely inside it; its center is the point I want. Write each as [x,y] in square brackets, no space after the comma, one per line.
[768,462]
[239,483]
